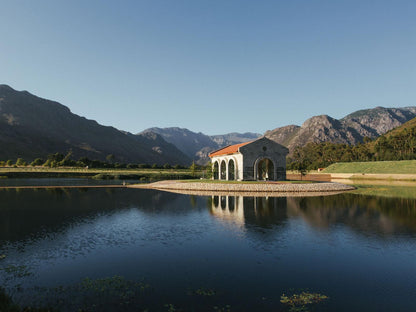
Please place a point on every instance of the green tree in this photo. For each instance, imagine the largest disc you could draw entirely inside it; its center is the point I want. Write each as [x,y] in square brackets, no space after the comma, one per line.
[20,162]
[67,161]
[56,157]
[209,170]
[84,161]
[193,168]
[37,162]
[110,158]
[9,162]
[300,161]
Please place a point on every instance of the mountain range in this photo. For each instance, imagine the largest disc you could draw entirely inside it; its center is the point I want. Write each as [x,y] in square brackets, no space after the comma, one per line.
[32,127]
[197,146]
[351,129]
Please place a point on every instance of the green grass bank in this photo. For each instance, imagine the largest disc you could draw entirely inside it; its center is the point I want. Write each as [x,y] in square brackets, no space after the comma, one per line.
[102,174]
[374,167]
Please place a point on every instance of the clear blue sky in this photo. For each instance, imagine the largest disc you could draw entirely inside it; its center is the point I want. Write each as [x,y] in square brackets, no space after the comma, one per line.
[214,66]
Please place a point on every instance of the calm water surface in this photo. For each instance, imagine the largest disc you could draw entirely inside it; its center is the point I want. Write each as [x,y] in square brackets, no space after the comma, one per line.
[145,250]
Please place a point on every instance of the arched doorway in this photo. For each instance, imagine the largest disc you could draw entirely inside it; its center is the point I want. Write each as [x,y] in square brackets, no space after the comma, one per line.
[223,202]
[223,171]
[216,201]
[215,170]
[231,170]
[265,170]
[231,203]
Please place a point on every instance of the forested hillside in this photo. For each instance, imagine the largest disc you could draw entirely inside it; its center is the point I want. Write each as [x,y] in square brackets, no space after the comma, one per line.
[397,144]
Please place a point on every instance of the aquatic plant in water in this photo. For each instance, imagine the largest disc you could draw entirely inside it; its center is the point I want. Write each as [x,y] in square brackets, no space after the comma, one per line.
[226,308]
[298,302]
[103,294]
[206,292]
[17,271]
[171,307]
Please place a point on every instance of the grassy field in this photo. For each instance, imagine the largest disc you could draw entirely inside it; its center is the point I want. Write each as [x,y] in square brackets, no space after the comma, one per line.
[377,167]
[106,174]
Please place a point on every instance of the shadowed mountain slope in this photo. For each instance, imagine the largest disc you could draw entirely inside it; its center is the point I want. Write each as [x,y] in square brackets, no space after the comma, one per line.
[33,127]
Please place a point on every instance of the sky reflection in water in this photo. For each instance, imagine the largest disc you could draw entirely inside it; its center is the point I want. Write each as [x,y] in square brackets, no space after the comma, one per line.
[358,250]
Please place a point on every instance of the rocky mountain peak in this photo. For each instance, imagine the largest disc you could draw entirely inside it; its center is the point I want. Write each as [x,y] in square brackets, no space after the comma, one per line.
[349,130]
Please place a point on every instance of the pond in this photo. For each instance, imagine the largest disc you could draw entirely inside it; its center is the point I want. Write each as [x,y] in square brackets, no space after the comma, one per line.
[116,249]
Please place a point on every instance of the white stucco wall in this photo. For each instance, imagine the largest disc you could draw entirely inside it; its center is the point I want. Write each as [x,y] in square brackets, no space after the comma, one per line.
[247,158]
[238,164]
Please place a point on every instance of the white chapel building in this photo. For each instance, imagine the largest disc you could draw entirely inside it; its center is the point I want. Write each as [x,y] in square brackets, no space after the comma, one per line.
[261,159]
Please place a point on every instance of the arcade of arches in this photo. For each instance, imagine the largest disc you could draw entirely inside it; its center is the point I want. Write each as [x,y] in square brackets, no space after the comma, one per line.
[224,169]
[262,159]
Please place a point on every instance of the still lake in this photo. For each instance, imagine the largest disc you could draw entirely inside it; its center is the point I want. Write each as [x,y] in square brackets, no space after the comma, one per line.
[117,249]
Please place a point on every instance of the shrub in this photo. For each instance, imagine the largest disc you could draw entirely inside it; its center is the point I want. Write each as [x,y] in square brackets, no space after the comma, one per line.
[20,162]
[37,162]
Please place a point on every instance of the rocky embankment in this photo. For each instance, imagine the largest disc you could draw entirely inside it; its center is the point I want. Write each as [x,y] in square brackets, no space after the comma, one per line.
[249,189]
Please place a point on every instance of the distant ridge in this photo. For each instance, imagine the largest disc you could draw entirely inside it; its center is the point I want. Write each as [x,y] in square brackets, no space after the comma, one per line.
[351,129]
[197,146]
[32,127]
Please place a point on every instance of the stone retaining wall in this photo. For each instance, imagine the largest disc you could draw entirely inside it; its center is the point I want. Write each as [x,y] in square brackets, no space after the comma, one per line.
[249,187]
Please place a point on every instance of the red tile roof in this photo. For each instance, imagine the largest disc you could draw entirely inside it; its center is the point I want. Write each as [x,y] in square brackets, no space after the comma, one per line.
[230,149]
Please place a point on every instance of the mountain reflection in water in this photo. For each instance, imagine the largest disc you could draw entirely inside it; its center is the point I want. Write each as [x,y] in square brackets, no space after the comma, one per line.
[363,214]
[25,211]
[202,252]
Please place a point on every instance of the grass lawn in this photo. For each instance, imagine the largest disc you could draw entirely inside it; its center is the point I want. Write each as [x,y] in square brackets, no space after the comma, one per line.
[97,173]
[91,170]
[377,167]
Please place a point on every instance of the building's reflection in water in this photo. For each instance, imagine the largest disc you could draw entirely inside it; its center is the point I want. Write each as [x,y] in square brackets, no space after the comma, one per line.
[362,214]
[243,211]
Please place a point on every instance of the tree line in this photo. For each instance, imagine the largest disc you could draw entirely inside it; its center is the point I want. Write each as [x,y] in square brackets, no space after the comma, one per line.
[61,160]
[397,145]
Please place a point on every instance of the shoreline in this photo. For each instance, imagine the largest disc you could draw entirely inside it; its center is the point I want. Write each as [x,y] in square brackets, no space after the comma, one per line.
[249,189]
[61,186]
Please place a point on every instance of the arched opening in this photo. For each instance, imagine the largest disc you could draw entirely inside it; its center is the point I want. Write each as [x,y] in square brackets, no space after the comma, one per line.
[215,170]
[265,170]
[231,170]
[223,171]
[223,201]
[231,203]
[216,201]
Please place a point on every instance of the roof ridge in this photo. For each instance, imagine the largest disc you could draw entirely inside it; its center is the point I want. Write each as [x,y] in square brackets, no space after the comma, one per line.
[230,149]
